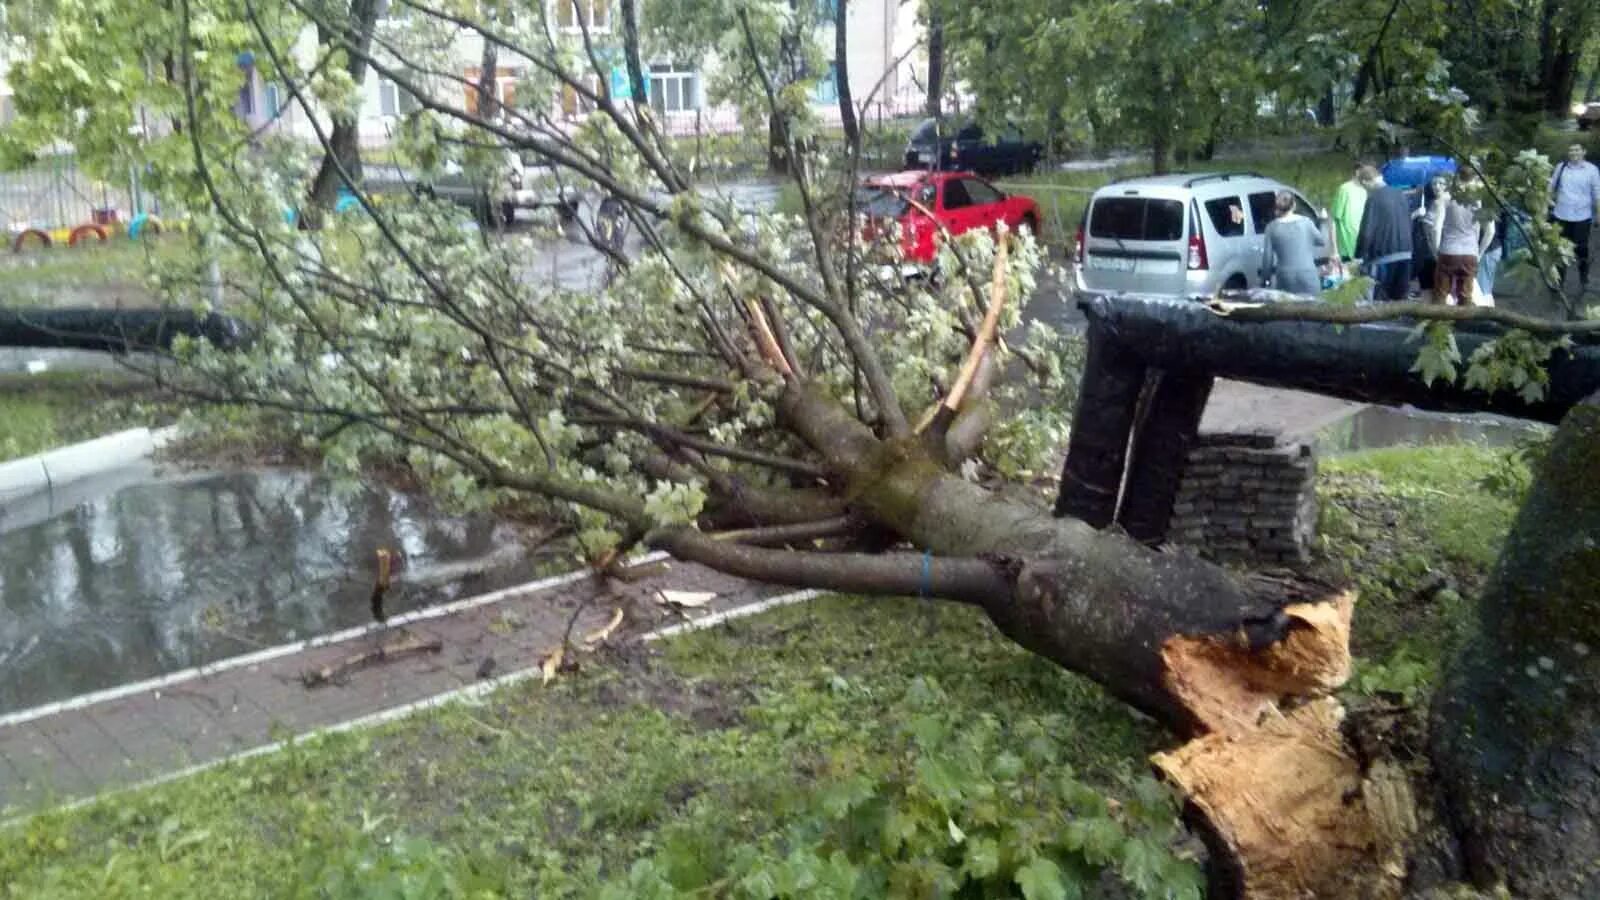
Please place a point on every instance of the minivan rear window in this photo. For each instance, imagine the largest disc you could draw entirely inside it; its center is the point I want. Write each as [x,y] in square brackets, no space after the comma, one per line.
[1136,219]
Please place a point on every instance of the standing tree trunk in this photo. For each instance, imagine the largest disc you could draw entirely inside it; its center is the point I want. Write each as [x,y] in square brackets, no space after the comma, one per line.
[344,142]
[489,109]
[630,49]
[935,60]
[841,68]
[1516,723]
[1160,148]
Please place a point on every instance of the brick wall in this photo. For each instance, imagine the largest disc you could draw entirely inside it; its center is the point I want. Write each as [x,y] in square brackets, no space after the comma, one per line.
[1247,498]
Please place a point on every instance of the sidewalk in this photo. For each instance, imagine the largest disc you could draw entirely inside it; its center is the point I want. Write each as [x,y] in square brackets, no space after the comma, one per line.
[187,720]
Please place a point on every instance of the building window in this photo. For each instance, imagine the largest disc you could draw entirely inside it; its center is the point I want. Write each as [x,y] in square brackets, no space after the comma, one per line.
[272,100]
[505,87]
[574,104]
[574,15]
[672,89]
[394,100]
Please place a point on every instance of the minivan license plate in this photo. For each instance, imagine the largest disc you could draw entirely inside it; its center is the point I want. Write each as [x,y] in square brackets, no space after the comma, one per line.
[1111,263]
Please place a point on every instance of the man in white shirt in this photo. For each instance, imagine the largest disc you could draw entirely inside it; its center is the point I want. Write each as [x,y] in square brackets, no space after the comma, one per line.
[1575,195]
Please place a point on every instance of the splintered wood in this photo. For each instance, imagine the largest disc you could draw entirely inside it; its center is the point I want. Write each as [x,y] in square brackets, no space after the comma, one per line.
[1275,784]
[1282,800]
[1228,687]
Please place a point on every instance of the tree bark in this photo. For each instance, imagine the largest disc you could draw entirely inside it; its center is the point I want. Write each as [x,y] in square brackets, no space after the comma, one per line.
[344,140]
[1370,362]
[841,63]
[1161,445]
[488,109]
[1091,476]
[630,49]
[1516,723]
[1160,147]
[1208,654]
[935,61]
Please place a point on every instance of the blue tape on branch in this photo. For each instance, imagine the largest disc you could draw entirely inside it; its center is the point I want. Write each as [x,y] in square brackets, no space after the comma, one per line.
[927,574]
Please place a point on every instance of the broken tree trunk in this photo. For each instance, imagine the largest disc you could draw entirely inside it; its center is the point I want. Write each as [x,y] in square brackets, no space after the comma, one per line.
[1516,724]
[1369,362]
[1227,660]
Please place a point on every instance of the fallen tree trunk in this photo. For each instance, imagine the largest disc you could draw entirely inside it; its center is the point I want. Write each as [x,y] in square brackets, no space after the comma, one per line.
[116,330]
[1217,657]
[1369,362]
[1516,724]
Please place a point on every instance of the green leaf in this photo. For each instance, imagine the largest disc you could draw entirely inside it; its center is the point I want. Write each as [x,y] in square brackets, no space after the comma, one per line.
[982,858]
[1041,879]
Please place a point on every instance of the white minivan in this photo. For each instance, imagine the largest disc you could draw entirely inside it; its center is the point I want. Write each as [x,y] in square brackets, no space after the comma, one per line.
[1178,235]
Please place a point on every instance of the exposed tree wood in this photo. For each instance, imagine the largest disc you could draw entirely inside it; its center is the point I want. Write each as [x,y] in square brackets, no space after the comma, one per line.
[1281,803]
[1515,735]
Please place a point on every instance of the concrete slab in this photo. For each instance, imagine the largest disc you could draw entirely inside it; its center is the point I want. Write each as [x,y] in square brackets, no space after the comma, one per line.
[1237,407]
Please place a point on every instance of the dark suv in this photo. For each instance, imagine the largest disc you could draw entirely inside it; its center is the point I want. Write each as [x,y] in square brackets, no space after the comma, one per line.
[943,145]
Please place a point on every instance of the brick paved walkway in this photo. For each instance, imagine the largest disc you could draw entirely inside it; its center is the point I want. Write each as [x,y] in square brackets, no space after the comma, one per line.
[82,747]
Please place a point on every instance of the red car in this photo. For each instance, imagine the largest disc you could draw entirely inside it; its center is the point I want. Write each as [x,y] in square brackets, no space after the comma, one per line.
[923,201]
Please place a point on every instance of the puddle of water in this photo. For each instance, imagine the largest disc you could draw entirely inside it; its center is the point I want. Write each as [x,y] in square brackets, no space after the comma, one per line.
[1383,426]
[181,570]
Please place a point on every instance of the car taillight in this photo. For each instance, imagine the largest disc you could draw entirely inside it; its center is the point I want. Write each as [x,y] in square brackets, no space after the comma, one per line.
[1079,246]
[1197,250]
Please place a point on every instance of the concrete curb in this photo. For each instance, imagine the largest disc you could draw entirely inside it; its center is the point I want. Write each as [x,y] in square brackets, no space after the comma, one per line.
[53,469]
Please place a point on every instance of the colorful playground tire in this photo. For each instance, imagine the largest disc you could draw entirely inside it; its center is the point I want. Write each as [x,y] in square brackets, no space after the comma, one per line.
[83,231]
[21,241]
[145,224]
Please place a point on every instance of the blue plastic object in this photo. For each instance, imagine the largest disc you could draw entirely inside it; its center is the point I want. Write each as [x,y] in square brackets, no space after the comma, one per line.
[1414,171]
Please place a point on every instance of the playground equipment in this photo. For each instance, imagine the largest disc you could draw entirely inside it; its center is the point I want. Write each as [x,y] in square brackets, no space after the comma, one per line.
[55,204]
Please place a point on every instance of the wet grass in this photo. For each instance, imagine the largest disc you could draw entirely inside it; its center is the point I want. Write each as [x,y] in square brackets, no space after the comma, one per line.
[106,274]
[1417,531]
[42,412]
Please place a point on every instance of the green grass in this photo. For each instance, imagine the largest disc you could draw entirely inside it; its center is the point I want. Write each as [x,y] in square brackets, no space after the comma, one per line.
[106,274]
[41,412]
[1417,532]
[714,741]
[724,733]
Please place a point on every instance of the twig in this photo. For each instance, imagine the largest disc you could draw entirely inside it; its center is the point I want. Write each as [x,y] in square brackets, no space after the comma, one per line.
[410,645]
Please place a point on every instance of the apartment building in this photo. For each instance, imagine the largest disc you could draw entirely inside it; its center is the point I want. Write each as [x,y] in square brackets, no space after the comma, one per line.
[880,33]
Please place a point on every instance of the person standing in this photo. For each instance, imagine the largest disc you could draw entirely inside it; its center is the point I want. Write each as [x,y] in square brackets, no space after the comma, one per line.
[1424,236]
[1289,250]
[1348,203]
[1383,243]
[1575,205]
[1459,239]
[1494,250]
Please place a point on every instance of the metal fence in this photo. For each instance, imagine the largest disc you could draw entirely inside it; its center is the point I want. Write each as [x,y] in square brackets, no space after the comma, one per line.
[56,193]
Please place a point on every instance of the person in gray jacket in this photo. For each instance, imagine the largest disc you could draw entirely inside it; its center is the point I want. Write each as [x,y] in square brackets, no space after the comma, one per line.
[1289,250]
